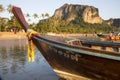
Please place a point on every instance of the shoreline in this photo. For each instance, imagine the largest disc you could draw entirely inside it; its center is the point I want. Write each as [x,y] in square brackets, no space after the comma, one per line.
[11,35]
[22,35]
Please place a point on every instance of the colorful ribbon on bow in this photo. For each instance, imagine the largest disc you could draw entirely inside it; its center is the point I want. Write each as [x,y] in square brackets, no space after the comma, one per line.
[31,54]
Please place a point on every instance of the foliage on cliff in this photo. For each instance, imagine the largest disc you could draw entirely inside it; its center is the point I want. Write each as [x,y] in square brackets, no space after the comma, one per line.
[75,26]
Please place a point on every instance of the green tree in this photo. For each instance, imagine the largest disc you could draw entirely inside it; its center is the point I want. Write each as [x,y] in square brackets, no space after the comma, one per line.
[1,21]
[47,15]
[43,15]
[1,8]
[28,16]
[11,24]
[35,16]
[9,8]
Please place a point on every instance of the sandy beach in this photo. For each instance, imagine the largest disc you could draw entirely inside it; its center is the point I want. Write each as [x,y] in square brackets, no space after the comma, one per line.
[22,35]
[11,35]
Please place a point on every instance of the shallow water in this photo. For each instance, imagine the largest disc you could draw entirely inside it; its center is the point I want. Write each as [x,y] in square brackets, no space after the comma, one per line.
[14,64]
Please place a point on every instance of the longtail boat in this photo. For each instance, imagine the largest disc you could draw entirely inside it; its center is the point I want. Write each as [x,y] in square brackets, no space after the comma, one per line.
[115,36]
[76,56]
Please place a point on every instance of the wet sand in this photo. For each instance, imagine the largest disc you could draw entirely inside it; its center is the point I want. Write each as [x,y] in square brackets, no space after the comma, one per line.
[22,35]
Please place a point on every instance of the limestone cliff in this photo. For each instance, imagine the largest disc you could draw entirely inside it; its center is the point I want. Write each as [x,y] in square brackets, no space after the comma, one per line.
[69,12]
[114,22]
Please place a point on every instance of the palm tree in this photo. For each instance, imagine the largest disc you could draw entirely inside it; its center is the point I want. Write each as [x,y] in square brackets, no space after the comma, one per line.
[10,11]
[43,15]
[1,8]
[28,16]
[47,15]
[10,8]
[35,16]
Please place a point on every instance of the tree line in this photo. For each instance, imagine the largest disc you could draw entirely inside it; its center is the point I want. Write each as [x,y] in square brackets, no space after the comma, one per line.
[55,24]
[8,24]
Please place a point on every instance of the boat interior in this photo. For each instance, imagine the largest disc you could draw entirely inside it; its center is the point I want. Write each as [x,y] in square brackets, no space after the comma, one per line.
[108,46]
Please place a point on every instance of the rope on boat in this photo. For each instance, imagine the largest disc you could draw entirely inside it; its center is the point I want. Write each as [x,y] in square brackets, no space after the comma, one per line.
[31,55]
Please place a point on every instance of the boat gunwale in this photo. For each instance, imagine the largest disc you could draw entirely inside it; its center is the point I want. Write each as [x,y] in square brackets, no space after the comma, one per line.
[82,50]
[98,43]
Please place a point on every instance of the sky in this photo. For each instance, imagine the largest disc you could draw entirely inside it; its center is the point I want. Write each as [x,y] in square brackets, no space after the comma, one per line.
[107,8]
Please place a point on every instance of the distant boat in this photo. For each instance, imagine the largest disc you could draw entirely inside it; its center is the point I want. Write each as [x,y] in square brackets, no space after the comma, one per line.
[115,36]
[77,56]
[102,35]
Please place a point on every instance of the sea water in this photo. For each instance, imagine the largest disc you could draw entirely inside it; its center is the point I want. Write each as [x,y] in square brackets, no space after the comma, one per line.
[15,66]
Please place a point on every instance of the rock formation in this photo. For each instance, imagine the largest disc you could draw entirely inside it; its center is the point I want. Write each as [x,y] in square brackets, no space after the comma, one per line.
[114,22]
[69,12]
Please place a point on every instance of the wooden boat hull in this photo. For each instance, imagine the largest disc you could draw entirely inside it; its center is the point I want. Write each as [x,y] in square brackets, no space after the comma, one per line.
[65,58]
[96,64]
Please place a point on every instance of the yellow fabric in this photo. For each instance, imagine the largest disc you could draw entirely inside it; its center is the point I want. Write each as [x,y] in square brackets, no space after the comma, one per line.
[31,54]
[30,32]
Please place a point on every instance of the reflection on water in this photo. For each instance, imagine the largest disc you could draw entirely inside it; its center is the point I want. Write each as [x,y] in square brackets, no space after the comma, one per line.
[14,65]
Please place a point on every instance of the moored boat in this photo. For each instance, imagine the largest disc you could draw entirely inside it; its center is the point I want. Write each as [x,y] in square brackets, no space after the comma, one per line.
[115,36]
[76,56]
